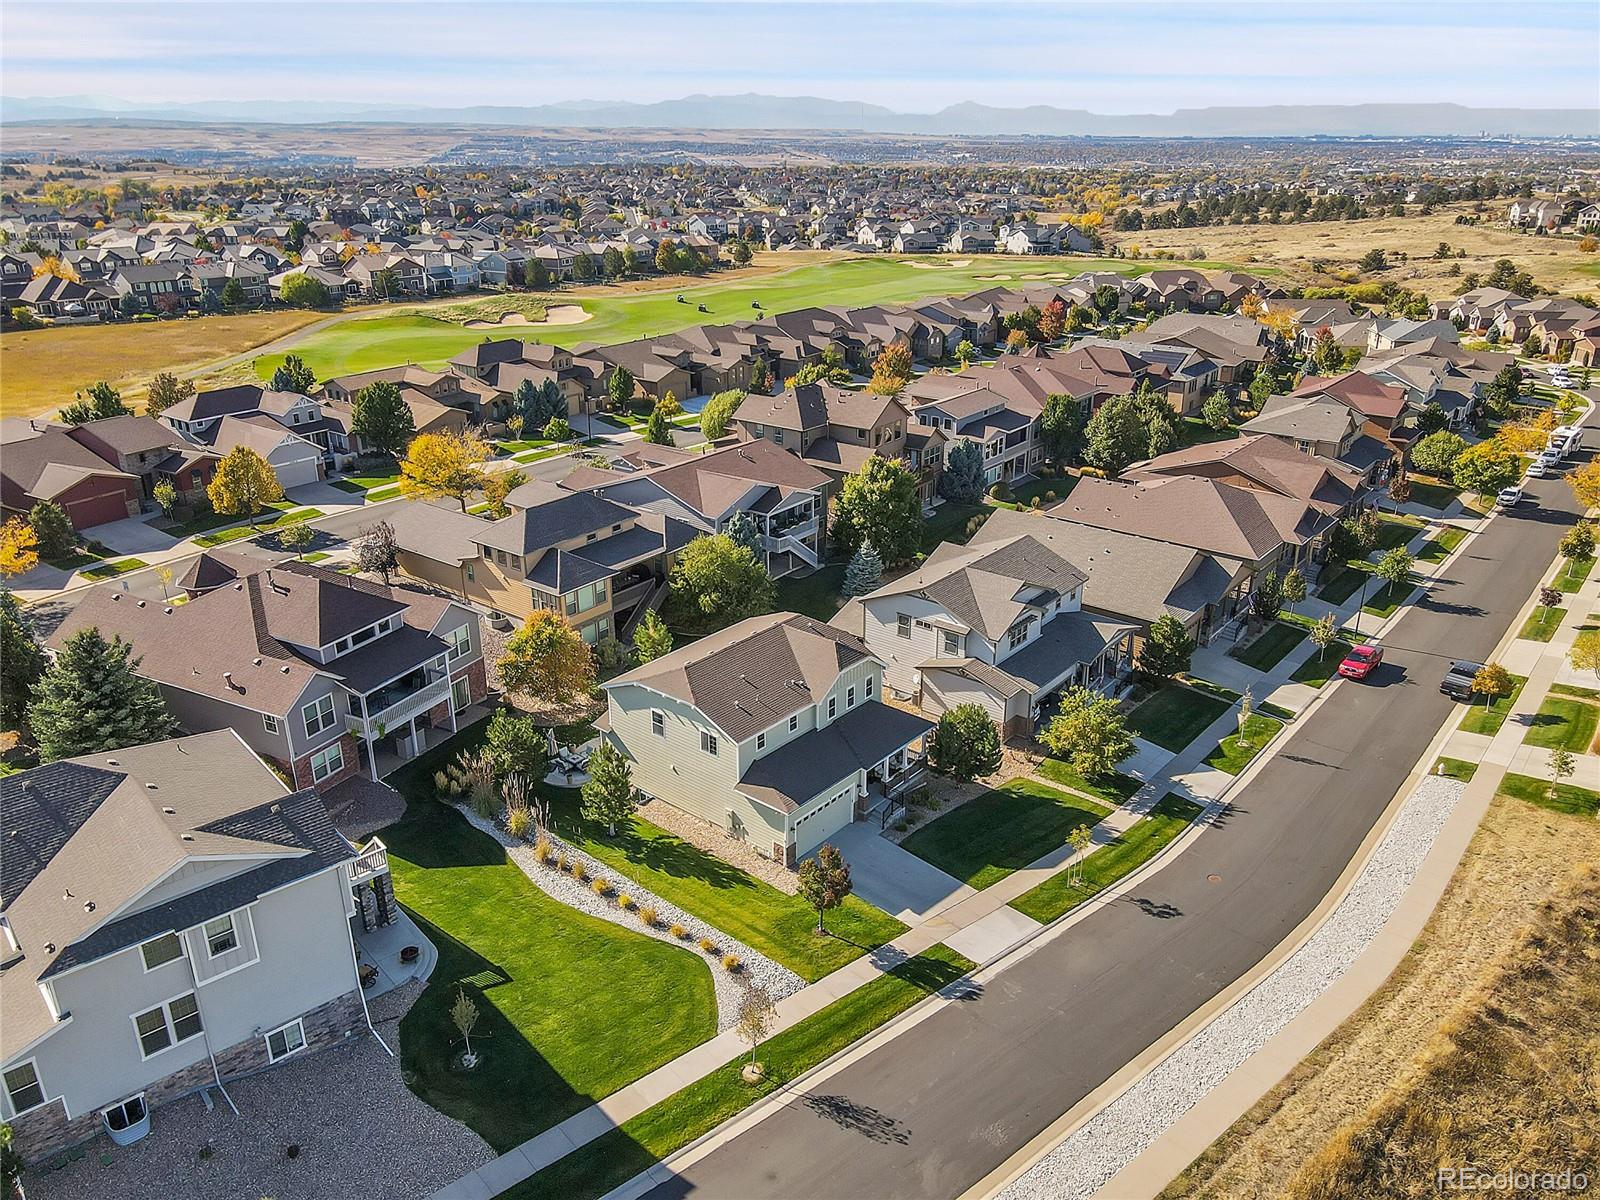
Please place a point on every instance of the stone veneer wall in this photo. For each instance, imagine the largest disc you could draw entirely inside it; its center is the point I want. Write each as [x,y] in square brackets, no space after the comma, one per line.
[47,1131]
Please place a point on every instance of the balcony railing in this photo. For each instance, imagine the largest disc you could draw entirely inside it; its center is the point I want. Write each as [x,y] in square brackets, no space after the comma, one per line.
[793,529]
[399,702]
[372,861]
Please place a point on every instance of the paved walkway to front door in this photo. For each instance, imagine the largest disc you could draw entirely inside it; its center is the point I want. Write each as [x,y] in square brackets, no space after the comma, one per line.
[892,879]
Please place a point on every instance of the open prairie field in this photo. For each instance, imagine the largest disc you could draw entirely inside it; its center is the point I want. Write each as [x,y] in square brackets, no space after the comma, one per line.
[41,369]
[617,315]
[1554,262]
[1385,1060]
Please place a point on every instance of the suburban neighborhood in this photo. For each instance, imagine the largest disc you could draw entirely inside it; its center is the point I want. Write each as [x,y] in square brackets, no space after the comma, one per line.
[751,647]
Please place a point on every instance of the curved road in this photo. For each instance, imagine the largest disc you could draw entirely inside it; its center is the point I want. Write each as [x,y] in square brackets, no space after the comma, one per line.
[965,1089]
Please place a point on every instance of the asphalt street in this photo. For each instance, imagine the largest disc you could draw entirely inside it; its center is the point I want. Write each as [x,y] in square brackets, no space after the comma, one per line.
[936,1109]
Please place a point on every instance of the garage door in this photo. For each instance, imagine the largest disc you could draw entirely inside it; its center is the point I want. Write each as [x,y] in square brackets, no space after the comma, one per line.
[297,471]
[823,821]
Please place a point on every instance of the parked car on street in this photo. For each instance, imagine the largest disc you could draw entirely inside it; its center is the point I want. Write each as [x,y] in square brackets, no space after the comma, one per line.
[1361,661]
[1457,681]
[1509,497]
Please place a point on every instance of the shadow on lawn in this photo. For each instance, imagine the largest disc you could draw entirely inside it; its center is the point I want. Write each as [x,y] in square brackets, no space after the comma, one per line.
[666,853]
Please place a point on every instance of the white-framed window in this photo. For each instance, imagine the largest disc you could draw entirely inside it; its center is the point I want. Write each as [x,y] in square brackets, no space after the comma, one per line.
[221,936]
[833,706]
[658,722]
[285,1041]
[952,644]
[794,722]
[460,639]
[850,697]
[269,722]
[460,694]
[761,741]
[126,1113]
[708,741]
[327,762]
[159,951]
[318,715]
[1017,635]
[167,1024]
[903,624]
[23,1087]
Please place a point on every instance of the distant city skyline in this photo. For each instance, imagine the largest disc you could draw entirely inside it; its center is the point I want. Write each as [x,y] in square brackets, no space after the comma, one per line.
[909,55]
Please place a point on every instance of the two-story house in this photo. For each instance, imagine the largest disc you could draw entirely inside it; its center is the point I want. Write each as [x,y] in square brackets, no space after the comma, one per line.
[314,669]
[137,445]
[285,428]
[999,625]
[1325,427]
[42,461]
[172,918]
[772,730]
[1004,429]
[598,563]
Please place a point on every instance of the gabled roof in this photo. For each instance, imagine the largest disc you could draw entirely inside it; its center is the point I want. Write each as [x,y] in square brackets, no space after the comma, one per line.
[1265,461]
[1360,391]
[858,740]
[987,588]
[571,515]
[87,837]
[753,674]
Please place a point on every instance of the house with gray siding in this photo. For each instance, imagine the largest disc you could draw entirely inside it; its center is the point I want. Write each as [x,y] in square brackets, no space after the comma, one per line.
[172,918]
[318,672]
[772,730]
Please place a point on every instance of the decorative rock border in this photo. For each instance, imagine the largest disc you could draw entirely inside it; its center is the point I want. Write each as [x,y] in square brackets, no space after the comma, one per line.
[1089,1156]
[559,885]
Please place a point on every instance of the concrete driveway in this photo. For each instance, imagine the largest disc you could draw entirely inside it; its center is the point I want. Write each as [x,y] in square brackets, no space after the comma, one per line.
[893,879]
[132,535]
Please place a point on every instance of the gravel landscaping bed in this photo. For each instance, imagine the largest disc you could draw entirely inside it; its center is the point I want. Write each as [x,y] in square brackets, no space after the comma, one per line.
[360,1132]
[705,836]
[1130,1124]
[779,981]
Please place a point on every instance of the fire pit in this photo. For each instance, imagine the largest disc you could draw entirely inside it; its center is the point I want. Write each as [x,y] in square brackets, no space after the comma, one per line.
[408,954]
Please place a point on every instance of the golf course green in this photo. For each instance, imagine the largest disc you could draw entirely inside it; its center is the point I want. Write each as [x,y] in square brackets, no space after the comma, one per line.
[367,343]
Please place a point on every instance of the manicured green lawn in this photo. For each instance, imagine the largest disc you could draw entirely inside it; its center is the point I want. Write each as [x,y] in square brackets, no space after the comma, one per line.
[1438,548]
[1487,718]
[1116,788]
[1396,530]
[1061,893]
[1434,495]
[1573,573]
[949,523]
[1002,831]
[1233,753]
[1542,624]
[782,927]
[371,342]
[615,1157]
[224,536]
[1342,583]
[1174,716]
[1268,650]
[1564,722]
[1192,431]
[1455,768]
[571,1007]
[1568,798]
[815,595]
[1321,667]
[110,570]
[360,484]
[215,520]
[1387,600]
[1022,495]
[1567,689]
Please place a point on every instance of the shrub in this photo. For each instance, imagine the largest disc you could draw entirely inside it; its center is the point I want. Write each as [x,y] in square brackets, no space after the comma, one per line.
[731,963]
[1000,491]
[580,872]
[647,914]
[707,945]
[1049,497]
[518,821]
[625,902]
[602,887]
[1091,472]
[561,862]
[1036,502]
[678,931]
[542,850]
[441,783]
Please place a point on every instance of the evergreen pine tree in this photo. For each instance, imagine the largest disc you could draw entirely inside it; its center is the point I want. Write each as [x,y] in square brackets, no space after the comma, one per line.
[21,662]
[864,574]
[742,530]
[91,701]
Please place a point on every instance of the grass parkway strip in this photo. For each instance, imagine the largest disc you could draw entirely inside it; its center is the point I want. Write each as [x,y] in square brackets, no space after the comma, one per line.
[616,1157]
[1065,890]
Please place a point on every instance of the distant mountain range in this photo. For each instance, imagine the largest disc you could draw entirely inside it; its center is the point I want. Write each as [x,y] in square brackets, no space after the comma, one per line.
[758,112]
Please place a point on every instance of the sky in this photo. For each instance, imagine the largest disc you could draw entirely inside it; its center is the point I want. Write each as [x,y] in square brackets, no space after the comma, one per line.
[1109,56]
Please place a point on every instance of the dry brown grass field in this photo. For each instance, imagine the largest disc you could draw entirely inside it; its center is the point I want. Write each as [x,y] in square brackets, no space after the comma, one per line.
[1554,262]
[1439,1042]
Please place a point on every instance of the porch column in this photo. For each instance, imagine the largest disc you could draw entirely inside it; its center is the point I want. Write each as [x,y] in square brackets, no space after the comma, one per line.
[372,756]
[452,703]
[413,724]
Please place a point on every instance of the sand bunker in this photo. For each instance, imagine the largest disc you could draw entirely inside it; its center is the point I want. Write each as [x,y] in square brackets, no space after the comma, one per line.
[560,314]
[988,277]
[954,262]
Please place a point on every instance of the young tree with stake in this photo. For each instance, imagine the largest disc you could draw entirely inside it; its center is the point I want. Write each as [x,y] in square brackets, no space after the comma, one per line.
[824,880]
